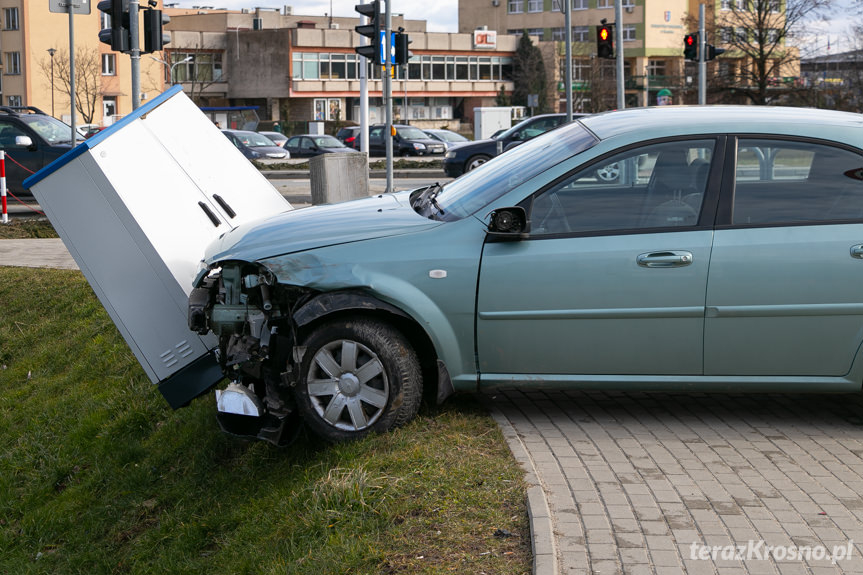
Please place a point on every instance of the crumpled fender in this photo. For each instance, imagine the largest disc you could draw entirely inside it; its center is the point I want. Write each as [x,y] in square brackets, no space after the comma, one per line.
[328,303]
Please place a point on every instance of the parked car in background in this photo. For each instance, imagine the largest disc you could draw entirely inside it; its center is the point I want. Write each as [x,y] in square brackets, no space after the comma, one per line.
[448,137]
[255,146]
[408,141]
[31,139]
[725,256]
[278,138]
[349,136]
[466,157]
[88,130]
[308,145]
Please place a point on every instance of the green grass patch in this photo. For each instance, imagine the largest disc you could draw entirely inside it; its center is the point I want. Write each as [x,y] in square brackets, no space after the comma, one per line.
[98,475]
[19,229]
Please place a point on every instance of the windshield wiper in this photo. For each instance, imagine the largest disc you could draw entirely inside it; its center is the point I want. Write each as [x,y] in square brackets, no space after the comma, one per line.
[427,198]
[432,198]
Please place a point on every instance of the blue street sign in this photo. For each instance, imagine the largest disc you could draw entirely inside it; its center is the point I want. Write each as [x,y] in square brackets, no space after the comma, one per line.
[382,44]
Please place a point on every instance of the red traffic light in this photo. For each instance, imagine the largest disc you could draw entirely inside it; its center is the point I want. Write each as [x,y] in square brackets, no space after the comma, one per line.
[690,47]
[605,41]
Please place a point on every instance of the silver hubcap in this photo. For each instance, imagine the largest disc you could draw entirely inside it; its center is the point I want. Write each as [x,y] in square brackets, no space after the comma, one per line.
[347,385]
[476,163]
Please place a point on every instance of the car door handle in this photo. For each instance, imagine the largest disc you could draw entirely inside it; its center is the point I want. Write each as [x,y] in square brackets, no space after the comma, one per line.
[857,251]
[664,259]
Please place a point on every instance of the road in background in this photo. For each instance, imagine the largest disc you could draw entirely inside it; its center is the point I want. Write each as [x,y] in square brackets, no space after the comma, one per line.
[297,187]
[297,191]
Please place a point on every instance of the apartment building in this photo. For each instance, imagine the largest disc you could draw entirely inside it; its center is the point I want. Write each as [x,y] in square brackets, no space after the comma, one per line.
[35,64]
[303,68]
[653,34]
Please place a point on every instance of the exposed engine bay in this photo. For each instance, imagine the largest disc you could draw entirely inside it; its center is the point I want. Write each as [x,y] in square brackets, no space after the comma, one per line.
[251,315]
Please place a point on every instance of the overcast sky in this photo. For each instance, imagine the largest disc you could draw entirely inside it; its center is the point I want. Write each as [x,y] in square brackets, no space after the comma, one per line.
[442,16]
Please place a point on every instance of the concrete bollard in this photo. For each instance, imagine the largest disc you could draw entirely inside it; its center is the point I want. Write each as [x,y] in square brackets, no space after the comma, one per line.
[339,177]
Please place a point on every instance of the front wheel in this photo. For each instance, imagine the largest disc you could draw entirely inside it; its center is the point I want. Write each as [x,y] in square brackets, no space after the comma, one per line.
[476,161]
[357,376]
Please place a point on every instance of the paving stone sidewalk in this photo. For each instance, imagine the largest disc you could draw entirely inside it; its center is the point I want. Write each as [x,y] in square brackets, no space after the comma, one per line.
[690,483]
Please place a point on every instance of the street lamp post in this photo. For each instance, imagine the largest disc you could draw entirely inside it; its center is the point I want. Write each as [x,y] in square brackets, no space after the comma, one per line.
[52,51]
[174,65]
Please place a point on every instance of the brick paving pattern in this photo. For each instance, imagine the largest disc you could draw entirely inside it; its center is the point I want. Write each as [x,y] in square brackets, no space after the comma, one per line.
[674,483]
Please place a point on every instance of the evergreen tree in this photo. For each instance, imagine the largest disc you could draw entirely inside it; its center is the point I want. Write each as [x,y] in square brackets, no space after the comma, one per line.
[528,74]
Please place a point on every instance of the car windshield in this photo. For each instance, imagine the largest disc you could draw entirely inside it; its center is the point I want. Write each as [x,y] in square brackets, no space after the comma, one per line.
[254,140]
[511,132]
[50,129]
[477,188]
[328,142]
[411,133]
[451,136]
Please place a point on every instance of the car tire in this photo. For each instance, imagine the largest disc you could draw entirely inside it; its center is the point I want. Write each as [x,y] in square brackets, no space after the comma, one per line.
[475,162]
[357,376]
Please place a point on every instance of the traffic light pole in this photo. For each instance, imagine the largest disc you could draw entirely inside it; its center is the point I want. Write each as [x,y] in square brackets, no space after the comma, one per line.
[702,58]
[135,54]
[364,95]
[388,92]
[567,19]
[618,40]
[72,95]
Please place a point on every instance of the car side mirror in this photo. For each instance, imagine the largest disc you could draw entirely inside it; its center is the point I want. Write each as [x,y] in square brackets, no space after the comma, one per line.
[508,224]
[24,142]
[512,145]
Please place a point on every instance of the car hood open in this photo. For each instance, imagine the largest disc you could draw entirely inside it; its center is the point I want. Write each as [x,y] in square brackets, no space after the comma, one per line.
[319,226]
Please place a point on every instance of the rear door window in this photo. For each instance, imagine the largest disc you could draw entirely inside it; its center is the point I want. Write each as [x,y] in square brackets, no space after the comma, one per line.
[790,182]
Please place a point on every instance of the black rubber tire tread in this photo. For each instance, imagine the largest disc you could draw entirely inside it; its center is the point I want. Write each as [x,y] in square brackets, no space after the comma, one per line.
[400,362]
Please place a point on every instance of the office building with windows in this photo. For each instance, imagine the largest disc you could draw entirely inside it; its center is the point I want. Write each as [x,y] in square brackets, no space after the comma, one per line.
[653,35]
[299,68]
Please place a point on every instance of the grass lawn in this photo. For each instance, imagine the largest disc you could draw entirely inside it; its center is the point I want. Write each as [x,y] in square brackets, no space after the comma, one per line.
[98,475]
[19,229]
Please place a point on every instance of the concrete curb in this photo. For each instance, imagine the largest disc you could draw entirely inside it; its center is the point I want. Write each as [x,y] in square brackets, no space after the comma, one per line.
[542,538]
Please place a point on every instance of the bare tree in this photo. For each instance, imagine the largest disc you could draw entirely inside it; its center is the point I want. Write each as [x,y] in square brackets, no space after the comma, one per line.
[88,78]
[202,70]
[759,37]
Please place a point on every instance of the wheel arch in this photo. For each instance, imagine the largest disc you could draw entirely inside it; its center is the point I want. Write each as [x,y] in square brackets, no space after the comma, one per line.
[333,305]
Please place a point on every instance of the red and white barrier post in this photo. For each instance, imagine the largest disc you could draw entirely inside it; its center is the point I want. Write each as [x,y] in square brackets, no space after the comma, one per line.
[3,186]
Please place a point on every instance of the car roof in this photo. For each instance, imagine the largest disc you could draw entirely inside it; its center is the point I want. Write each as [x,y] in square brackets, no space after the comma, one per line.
[312,136]
[663,121]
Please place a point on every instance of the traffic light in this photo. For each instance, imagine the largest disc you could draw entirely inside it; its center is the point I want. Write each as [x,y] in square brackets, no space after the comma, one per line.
[154,36]
[690,47]
[372,31]
[605,41]
[402,53]
[711,51]
[117,36]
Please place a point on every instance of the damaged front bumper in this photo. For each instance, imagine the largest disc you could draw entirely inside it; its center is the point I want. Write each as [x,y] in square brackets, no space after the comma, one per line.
[251,316]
